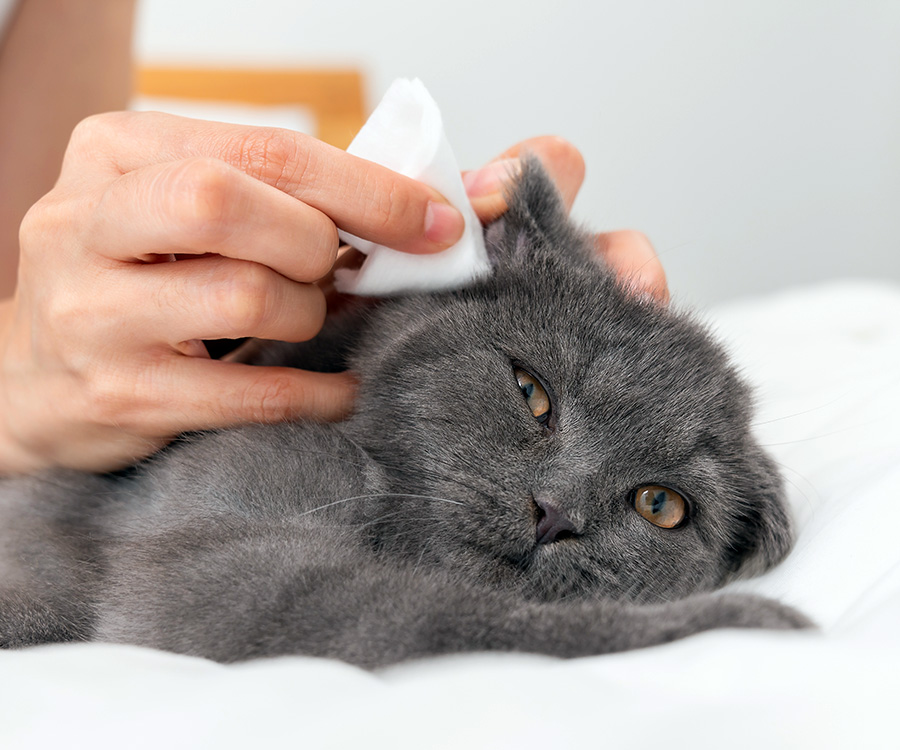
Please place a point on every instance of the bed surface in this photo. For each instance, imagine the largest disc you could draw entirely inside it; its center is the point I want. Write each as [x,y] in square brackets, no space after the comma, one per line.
[826,361]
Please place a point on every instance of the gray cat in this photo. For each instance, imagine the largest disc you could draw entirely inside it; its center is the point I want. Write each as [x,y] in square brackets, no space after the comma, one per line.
[539,462]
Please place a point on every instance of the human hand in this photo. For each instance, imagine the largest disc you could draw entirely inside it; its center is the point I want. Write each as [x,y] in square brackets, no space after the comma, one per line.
[628,252]
[101,358]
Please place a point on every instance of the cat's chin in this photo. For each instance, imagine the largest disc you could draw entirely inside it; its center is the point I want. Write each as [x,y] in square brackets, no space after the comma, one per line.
[543,572]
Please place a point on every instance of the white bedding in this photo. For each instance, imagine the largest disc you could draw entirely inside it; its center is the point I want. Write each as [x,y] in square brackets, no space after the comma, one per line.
[827,361]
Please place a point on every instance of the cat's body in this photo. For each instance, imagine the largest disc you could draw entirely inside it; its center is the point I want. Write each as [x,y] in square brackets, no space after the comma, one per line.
[483,495]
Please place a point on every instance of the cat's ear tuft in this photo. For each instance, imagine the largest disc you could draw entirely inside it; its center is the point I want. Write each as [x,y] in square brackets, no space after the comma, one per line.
[535,220]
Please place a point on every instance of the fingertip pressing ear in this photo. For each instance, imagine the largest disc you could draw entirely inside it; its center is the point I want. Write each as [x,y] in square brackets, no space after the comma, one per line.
[536,215]
[561,160]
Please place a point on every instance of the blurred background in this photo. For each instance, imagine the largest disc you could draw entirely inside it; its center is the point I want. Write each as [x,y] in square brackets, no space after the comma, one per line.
[756,143]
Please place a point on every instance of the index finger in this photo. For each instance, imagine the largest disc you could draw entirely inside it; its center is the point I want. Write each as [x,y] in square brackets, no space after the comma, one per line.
[361,197]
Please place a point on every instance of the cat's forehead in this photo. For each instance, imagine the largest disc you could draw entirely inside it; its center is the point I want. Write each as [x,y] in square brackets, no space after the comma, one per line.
[579,329]
[586,323]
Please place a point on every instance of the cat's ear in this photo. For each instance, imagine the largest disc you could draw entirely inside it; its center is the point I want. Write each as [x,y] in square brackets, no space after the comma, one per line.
[536,221]
[764,532]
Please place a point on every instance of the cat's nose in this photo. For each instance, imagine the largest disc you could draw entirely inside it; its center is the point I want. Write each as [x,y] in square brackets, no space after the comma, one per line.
[552,523]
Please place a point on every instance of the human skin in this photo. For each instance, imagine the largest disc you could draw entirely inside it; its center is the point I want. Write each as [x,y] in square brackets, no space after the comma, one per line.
[101,360]
[60,61]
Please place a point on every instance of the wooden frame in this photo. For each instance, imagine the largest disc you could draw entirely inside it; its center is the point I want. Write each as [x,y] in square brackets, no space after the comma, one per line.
[334,96]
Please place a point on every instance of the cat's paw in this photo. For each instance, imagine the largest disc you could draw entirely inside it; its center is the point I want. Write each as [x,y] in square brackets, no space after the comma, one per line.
[672,621]
[747,611]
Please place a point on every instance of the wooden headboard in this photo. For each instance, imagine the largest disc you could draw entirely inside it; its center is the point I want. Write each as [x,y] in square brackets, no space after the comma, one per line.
[335,97]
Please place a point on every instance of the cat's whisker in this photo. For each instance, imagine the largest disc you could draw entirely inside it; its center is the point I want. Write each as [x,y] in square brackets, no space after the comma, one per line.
[801,413]
[809,500]
[820,436]
[388,495]
[453,476]
[375,496]
[355,444]
[420,497]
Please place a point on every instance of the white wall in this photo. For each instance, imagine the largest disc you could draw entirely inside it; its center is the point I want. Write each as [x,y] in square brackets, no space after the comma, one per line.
[757,143]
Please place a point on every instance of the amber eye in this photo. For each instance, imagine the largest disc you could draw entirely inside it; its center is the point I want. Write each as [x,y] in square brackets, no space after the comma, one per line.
[535,395]
[660,505]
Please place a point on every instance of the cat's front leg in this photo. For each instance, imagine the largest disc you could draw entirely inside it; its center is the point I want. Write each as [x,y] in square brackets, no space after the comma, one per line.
[50,556]
[458,620]
[623,626]
[461,619]
[374,615]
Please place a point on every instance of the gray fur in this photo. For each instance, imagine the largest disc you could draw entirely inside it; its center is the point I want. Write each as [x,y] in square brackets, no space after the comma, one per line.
[409,529]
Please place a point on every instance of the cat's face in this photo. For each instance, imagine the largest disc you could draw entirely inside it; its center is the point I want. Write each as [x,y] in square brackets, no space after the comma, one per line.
[588,443]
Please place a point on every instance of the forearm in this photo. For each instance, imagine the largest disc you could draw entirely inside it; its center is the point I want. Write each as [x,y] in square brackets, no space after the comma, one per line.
[60,61]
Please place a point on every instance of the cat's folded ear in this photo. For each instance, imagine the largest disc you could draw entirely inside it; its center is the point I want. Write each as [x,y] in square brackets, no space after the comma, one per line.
[536,222]
[765,532]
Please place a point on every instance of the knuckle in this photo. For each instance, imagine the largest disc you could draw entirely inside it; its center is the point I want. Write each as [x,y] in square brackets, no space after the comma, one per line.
[106,401]
[88,130]
[66,312]
[94,132]
[201,194]
[271,399]
[274,155]
[322,250]
[315,309]
[278,150]
[390,208]
[70,327]
[59,228]
[243,301]
[77,323]
[35,224]
[122,399]
[56,233]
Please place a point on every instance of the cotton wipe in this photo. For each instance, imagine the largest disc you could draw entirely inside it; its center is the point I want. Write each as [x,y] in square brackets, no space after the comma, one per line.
[406,133]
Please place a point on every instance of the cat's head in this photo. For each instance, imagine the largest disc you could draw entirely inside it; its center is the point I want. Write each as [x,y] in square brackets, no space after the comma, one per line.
[565,436]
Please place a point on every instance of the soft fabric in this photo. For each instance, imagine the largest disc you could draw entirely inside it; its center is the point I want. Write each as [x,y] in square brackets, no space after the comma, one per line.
[406,134]
[826,361]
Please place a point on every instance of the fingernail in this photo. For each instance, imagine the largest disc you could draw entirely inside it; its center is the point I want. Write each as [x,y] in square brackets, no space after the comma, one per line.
[490,179]
[444,225]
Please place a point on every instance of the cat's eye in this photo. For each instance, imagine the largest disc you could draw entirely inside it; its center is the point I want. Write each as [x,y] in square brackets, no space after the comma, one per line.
[536,396]
[661,506]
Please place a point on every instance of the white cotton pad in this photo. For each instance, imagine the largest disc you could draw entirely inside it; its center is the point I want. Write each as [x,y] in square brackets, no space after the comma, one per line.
[405,133]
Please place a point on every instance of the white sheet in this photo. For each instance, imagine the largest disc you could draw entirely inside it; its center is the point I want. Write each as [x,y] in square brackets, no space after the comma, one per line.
[828,364]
